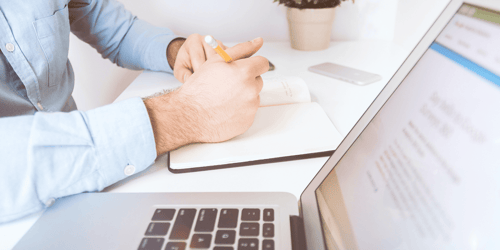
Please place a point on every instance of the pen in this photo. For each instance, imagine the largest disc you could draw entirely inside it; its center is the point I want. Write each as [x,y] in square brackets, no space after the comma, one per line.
[212,43]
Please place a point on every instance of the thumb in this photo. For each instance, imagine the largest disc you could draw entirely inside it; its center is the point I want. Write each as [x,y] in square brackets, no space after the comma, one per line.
[246,49]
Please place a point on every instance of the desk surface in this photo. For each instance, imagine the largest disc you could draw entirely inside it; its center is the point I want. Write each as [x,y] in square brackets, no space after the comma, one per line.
[343,102]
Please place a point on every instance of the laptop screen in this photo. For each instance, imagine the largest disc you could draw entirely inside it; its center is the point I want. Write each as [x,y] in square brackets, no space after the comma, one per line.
[425,172]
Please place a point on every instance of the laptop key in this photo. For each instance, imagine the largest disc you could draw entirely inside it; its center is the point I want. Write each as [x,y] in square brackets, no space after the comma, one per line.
[183,224]
[268,230]
[228,218]
[223,248]
[268,214]
[268,245]
[249,229]
[248,244]
[206,220]
[151,244]
[157,229]
[201,241]
[250,214]
[163,214]
[176,246]
[225,237]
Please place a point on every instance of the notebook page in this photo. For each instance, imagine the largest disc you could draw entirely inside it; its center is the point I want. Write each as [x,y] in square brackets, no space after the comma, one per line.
[278,90]
[277,131]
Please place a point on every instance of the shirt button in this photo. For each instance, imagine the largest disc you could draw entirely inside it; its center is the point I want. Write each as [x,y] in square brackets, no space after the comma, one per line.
[50,202]
[40,106]
[129,170]
[10,47]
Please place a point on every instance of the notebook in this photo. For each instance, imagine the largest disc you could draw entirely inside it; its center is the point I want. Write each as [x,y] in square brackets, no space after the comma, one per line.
[287,126]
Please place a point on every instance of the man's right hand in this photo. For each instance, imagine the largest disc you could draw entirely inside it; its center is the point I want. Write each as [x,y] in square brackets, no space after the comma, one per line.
[217,103]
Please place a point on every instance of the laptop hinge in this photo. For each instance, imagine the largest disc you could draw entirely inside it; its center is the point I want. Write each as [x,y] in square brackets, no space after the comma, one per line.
[298,233]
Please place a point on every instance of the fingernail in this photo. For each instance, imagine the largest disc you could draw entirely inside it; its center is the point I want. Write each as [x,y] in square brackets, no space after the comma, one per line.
[254,40]
[185,75]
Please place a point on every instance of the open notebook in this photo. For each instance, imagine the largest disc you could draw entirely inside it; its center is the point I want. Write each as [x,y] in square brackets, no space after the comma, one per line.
[287,126]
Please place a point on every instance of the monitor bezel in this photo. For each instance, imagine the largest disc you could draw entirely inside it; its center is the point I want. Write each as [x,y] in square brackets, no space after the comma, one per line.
[308,204]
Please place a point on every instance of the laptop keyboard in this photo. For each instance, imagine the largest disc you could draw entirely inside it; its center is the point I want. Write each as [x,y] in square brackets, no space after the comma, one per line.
[210,228]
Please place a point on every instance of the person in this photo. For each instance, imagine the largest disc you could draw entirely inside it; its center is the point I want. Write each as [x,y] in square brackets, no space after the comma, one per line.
[49,150]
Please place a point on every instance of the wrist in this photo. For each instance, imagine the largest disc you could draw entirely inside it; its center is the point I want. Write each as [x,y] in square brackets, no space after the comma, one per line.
[173,49]
[173,121]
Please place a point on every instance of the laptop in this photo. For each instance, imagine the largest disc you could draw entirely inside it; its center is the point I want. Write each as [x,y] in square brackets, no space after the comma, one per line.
[420,170]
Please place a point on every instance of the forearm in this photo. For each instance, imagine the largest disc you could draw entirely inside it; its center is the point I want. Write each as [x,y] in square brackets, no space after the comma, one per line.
[51,155]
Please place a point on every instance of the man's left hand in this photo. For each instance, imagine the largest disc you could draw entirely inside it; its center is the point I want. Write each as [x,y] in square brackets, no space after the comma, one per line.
[191,55]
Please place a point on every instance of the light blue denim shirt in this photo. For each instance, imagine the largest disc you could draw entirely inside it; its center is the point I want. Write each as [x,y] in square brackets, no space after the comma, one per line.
[46,154]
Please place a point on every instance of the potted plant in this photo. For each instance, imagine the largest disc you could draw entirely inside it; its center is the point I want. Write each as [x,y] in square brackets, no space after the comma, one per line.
[310,22]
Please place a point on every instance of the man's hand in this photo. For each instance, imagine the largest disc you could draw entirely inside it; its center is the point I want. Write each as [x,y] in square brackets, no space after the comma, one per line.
[216,103]
[192,54]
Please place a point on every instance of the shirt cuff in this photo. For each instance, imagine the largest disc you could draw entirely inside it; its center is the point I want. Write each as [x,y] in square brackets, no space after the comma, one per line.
[156,54]
[123,139]
[145,47]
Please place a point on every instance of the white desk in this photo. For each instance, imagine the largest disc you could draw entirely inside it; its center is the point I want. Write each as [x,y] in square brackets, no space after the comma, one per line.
[343,102]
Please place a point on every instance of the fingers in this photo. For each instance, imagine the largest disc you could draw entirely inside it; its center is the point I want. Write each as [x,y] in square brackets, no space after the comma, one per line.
[197,51]
[254,66]
[224,47]
[245,50]
[197,56]
[260,84]
[182,73]
[186,76]
[190,57]
[209,51]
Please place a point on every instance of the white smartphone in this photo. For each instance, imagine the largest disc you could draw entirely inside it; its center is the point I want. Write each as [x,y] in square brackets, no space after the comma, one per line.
[344,73]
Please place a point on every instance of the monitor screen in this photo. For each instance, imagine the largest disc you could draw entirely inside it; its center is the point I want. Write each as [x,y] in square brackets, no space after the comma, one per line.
[425,172]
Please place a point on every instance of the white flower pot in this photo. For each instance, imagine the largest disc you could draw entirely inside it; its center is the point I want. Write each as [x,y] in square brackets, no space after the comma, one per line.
[310,29]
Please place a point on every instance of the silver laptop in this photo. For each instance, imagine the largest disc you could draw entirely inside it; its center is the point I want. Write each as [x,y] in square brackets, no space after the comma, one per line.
[420,170]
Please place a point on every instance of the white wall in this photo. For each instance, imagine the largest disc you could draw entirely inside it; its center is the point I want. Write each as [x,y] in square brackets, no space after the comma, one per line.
[99,82]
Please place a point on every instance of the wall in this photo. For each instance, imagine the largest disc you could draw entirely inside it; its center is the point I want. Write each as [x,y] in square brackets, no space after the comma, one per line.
[99,82]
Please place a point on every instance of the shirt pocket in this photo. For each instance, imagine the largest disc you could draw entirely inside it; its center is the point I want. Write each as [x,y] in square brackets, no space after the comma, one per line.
[53,36]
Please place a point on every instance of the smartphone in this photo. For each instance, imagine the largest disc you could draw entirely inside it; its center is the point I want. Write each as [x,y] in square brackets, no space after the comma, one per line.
[344,73]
